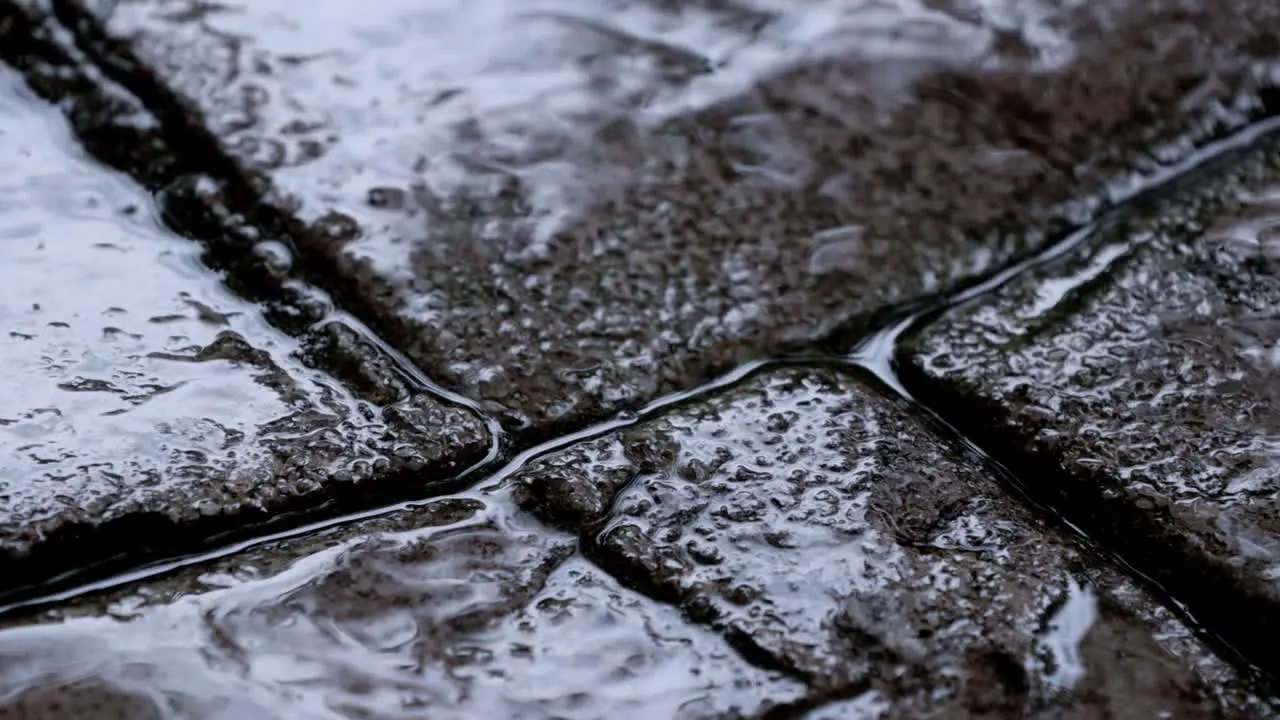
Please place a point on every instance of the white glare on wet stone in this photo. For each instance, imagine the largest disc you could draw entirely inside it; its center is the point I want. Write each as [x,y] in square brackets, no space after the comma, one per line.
[473,619]
[131,378]
[513,88]
[104,313]
[277,255]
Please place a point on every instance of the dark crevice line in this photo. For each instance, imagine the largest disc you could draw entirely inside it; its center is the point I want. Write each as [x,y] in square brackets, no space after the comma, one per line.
[878,361]
[1065,511]
[99,110]
[750,651]
[182,127]
[134,565]
[868,369]
[591,536]
[1047,508]
[243,196]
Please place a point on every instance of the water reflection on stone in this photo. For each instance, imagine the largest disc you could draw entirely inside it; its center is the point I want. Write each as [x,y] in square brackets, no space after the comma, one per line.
[569,208]
[475,617]
[1147,382]
[135,384]
[821,525]
[800,523]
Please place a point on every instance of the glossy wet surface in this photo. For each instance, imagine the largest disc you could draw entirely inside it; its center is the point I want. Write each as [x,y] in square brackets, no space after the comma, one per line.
[135,384]
[582,206]
[112,376]
[1144,363]
[820,525]
[565,210]
[470,614]
[805,539]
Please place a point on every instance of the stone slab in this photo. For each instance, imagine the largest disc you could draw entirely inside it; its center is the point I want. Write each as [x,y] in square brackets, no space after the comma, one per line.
[568,208]
[453,610]
[143,405]
[1136,380]
[826,530]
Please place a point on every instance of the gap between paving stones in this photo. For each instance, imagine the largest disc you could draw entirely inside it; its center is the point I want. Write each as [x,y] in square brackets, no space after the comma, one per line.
[1231,623]
[679,510]
[1225,602]
[240,192]
[206,197]
[755,429]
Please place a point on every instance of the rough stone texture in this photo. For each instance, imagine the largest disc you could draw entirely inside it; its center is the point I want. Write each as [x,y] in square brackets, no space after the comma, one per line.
[1136,380]
[567,208]
[143,404]
[454,610]
[824,530]
[566,219]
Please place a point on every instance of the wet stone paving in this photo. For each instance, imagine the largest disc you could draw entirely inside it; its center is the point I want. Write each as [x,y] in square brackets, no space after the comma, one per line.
[639,359]
[139,389]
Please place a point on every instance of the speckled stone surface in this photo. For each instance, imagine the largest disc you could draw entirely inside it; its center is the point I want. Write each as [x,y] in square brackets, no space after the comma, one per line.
[823,528]
[568,208]
[1137,378]
[564,210]
[795,546]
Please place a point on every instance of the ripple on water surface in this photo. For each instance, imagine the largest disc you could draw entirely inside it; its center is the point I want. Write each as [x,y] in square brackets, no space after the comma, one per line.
[131,379]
